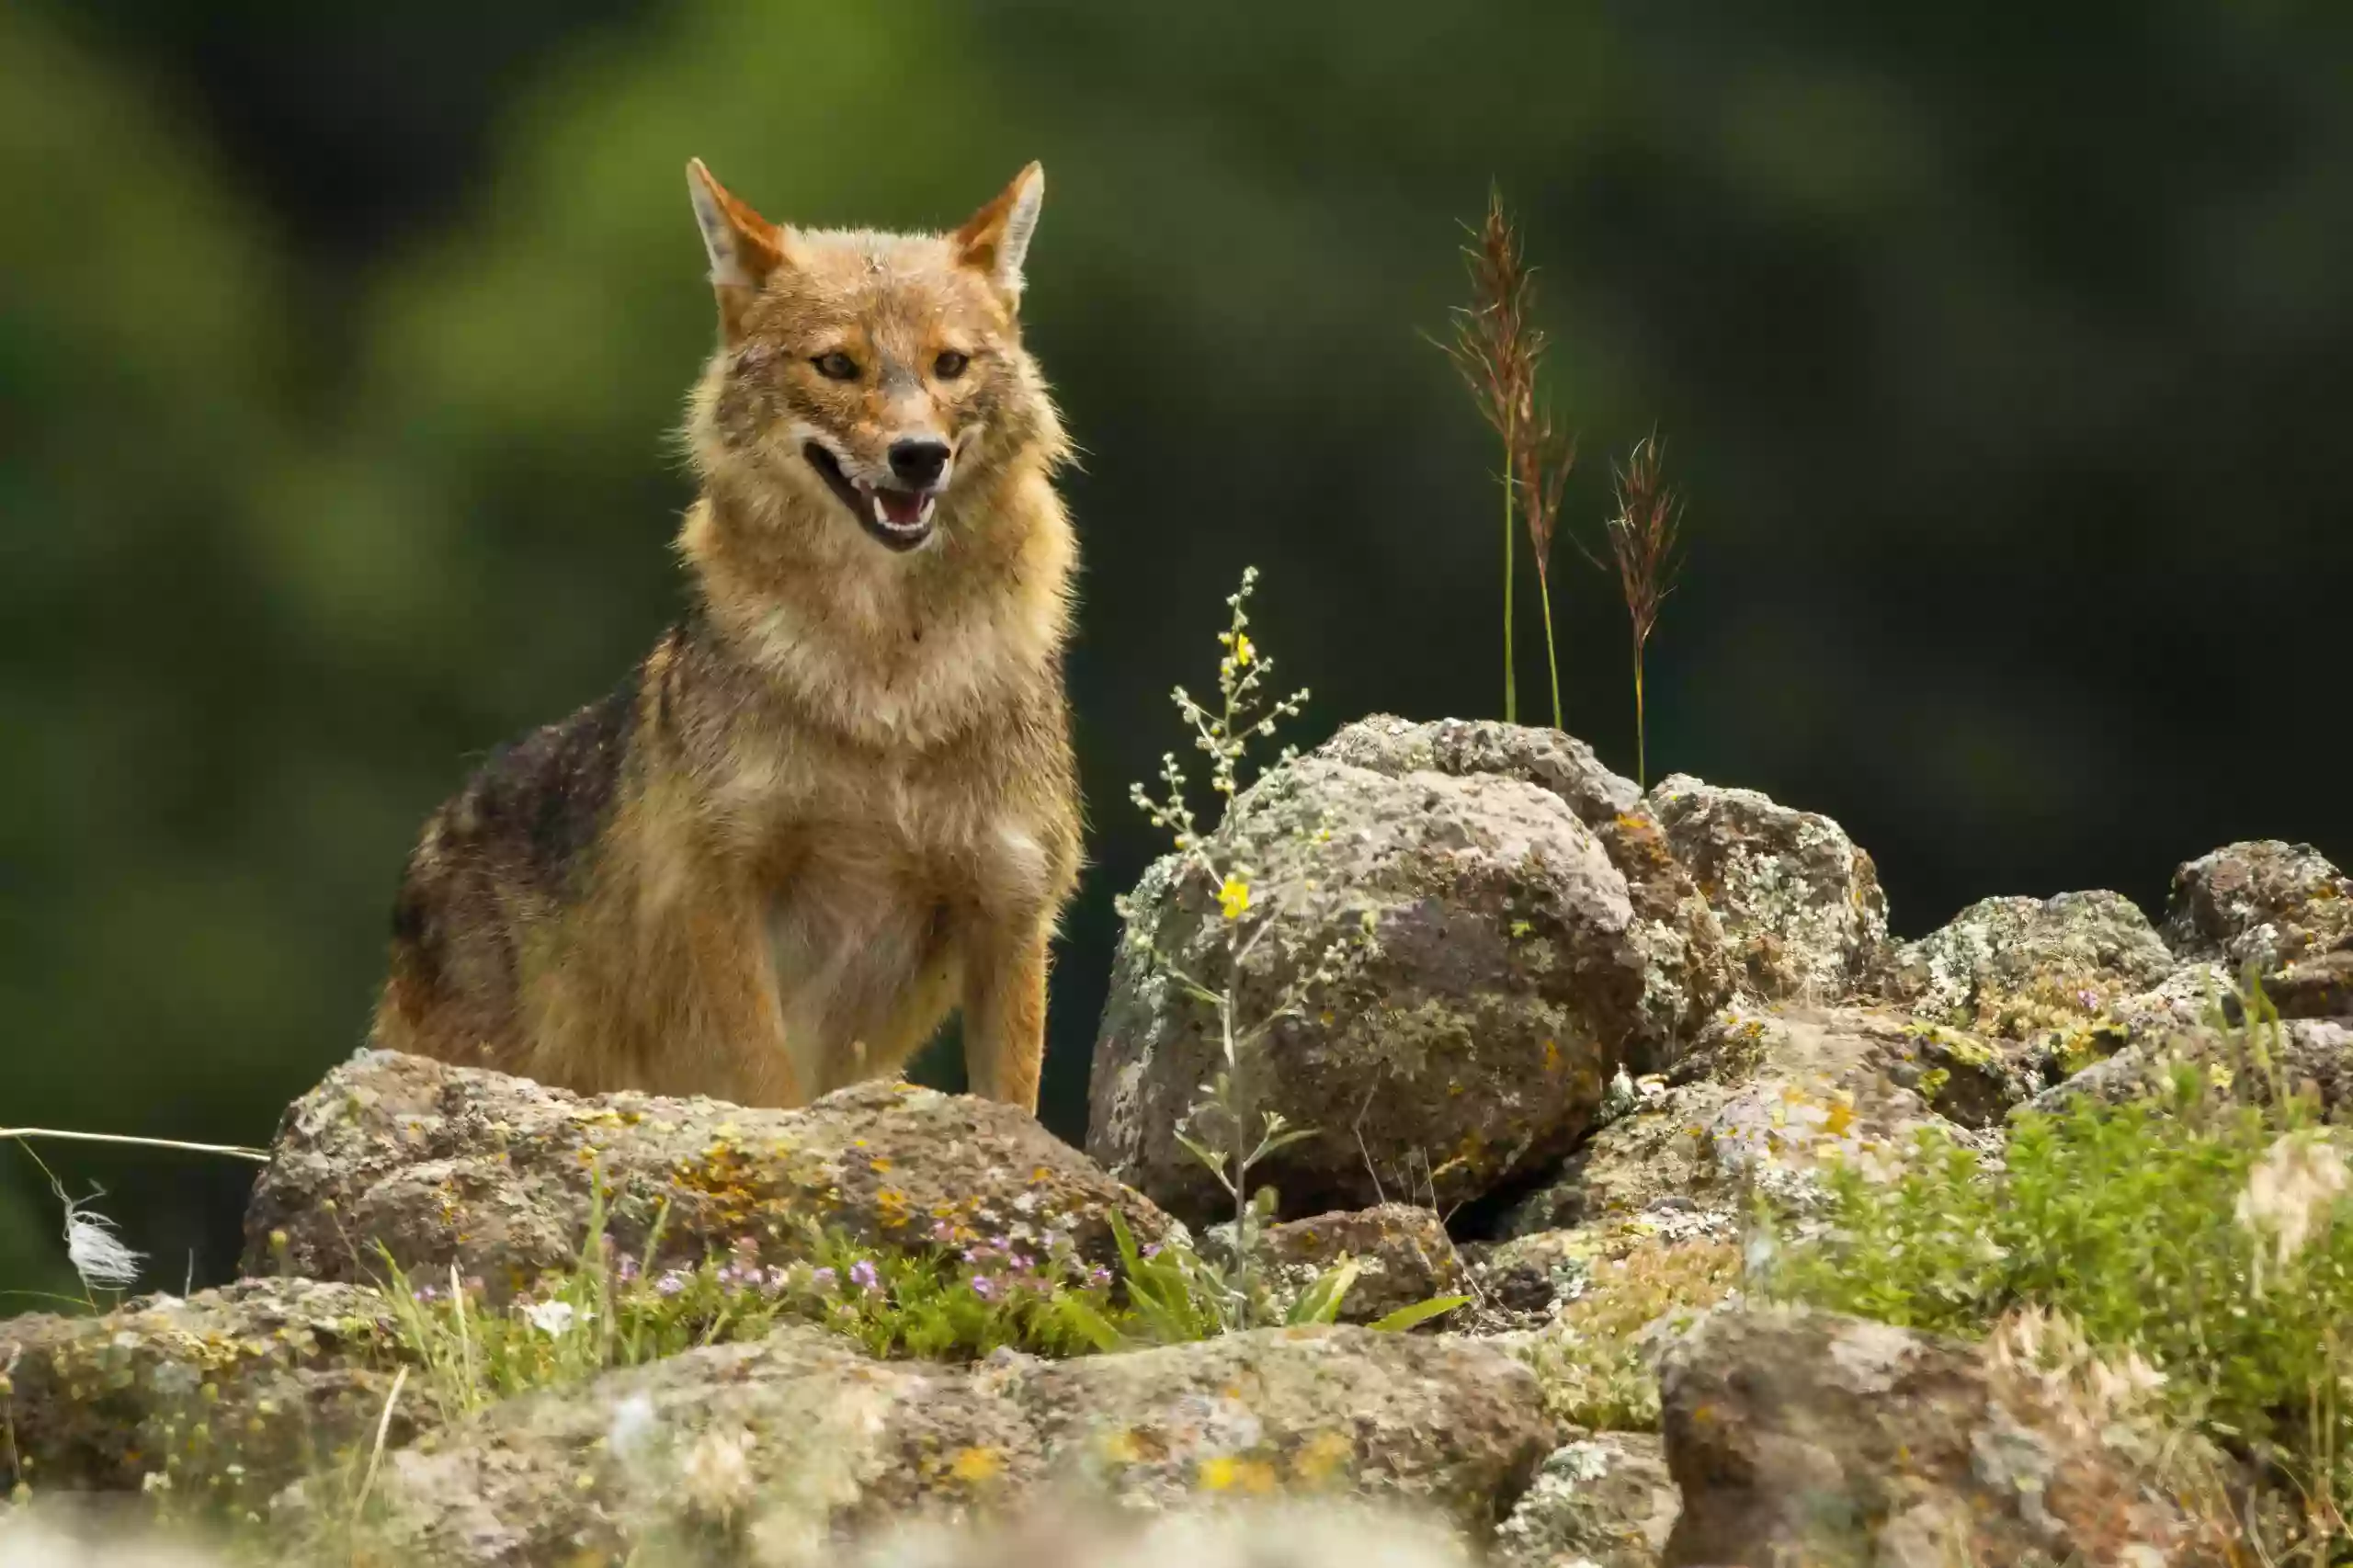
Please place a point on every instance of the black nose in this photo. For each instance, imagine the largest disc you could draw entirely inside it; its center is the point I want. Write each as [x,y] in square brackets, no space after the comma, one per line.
[919,462]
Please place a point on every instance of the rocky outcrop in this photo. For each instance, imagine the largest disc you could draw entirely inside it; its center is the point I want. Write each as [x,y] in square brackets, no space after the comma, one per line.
[1482,982]
[788,1441]
[228,1394]
[448,1166]
[1798,1436]
[1800,903]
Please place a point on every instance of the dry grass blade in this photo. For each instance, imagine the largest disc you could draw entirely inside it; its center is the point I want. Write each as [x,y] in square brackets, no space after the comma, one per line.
[1497,349]
[1644,539]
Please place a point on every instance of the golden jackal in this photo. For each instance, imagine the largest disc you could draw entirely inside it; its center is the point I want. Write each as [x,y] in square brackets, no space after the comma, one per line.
[839,799]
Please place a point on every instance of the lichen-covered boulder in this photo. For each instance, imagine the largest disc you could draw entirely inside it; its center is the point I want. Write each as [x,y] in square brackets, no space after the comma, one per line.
[2008,968]
[1800,903]
[789,1443]
[1465,1040]
[2279,909]
[1401,1253]
[1687,970]
[1798,1437]
[1603,1501]
[2263,903]
[225,1395]
[1767,1099]
[447,1165]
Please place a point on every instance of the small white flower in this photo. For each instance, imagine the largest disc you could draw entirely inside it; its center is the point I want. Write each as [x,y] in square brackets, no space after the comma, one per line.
[555,1318]
[2290,1191]
[98,1253]
[634,1423]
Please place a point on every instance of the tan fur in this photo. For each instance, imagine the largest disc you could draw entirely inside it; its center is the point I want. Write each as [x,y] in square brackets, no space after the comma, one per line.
[839,800]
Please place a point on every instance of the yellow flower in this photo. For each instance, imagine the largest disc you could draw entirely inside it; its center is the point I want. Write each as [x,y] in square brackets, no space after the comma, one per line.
[1233,898]
[1242,652]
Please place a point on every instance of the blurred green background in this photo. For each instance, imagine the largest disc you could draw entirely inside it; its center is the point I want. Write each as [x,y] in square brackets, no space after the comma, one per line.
[2004,354]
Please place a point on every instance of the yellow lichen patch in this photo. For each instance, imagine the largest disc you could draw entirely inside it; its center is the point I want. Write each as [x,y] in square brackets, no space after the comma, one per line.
[975,1465]
[1227,1473]
[1122,1447]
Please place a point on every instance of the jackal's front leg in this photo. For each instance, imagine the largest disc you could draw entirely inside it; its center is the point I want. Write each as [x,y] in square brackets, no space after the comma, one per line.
[1004,1011]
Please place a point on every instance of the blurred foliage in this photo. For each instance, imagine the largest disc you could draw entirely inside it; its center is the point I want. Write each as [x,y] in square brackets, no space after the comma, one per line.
[2003,354]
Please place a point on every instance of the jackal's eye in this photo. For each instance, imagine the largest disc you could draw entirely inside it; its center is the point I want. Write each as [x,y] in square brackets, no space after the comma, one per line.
[836,366]
[951,364]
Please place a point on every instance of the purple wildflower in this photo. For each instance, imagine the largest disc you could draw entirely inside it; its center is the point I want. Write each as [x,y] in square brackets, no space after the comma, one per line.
[862,1274]
[984,1287]
[823,1278]
[671,1283]
[626,1270]
[1099,1277]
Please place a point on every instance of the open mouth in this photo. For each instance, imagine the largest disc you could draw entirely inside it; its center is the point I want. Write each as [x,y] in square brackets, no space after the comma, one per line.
[900,519]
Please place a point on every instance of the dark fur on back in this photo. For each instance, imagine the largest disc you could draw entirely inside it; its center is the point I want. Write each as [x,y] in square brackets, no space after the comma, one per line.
[516,834]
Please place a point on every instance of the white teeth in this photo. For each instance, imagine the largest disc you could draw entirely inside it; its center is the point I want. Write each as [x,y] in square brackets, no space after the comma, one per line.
[884,518]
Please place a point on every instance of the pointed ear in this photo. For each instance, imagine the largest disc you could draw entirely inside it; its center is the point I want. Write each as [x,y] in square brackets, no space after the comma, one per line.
[995,238]
[745,247]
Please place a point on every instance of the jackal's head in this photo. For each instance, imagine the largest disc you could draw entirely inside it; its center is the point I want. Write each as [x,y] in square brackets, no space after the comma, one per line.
[875,377]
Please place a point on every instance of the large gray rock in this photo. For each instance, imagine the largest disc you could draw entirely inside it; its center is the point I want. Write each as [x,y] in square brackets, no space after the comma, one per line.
[224,1396]
[1800,903]
[782,1444]
[1687,970]
[449,1165]
[2010,967]
[1798,1437]
[1468,1044]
